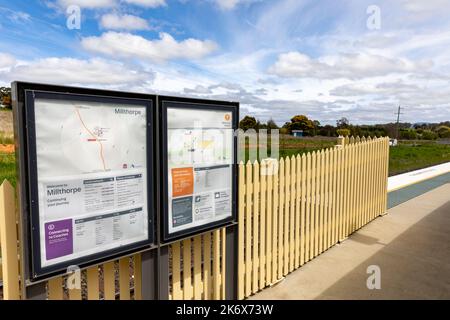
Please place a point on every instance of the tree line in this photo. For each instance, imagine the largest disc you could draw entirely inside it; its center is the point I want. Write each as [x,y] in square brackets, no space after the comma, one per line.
[343,127]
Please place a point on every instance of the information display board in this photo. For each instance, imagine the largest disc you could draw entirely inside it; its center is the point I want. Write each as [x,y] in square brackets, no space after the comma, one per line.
[199,156]
[89,162]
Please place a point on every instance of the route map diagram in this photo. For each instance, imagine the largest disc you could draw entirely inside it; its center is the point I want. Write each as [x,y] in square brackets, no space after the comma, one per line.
[88,138]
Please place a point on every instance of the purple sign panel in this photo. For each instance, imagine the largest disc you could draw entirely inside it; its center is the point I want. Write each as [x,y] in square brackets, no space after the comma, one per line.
[58,238]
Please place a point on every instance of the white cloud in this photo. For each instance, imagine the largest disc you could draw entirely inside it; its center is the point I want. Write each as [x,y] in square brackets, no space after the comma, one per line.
[123,22]
[420,6]
[227,4]
[126,45]
[231,4]
[88,4]
[6,60]
[351,66]
[98,72]
[147,3]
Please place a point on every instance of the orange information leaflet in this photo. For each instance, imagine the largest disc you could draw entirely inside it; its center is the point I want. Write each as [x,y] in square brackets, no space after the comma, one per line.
[182,181]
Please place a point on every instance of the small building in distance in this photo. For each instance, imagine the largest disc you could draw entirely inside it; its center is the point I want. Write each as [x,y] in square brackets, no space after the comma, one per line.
[297,133]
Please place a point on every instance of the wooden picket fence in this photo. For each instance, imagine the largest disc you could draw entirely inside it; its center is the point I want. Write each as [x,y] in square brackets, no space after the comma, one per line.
[196,264]
[198,267]
[294,209]
[289,212]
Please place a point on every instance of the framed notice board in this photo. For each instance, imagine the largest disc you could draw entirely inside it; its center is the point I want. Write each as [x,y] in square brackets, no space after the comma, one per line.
[86,174]
[198,154]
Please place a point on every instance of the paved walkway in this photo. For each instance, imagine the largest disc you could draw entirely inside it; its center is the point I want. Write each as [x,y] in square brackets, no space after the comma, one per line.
[411,245]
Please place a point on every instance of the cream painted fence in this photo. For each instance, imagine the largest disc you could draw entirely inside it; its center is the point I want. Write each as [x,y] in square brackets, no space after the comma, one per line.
[289,212]
[198,267]
[294,209]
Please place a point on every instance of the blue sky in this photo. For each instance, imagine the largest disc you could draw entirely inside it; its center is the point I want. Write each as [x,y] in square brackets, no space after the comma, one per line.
[325,59]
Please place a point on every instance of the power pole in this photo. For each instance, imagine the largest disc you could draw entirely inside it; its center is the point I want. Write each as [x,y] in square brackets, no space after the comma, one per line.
[398,121]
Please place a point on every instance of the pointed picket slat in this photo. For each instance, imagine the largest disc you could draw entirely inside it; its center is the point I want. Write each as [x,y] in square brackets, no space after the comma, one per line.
[341,193]
[314,212]
[303,211]
[197,267]
[93,288]
[223,264]
[286,217]
[331,198]
[177,294]
[216,265]
[124,278]
[248,226]
[255,237]
[269,223]
[275,236]
[327,203]
[308,210]
[207,269]
[292,214]
[137,276]
[241,232]
[321,201]
[262,227]
[298,200]
[109,281]
[187,265]
[9,268]
[281,220]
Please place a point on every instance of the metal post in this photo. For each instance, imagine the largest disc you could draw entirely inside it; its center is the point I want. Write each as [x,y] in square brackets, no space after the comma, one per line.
[149,280]
[163,273]
[36,291]
[231,270]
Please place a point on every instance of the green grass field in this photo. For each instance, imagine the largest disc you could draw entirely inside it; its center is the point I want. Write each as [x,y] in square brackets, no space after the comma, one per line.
[7,168]
[410,156]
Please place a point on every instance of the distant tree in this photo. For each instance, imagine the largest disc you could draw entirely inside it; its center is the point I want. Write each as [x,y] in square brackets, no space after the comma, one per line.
[327,131]
[342,123]
[248,123]
[408,134]
[5,97]
[301,122]
[271,124]
[343,132]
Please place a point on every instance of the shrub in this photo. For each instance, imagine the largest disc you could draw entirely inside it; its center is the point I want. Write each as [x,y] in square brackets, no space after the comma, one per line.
[443,131]
[284,131]
[429,135]
[343,132]
[408,134]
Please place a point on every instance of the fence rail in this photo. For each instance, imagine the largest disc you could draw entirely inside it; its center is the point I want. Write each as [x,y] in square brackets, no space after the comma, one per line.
[289,211]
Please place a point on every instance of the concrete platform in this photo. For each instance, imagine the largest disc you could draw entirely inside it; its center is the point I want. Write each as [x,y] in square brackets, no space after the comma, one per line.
[411,245]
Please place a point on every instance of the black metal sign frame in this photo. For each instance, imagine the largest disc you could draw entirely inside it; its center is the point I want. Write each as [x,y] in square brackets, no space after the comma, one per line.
[24,95]
[164,103]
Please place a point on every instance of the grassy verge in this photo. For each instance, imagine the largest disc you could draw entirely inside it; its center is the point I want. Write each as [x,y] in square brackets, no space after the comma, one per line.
[8,168]
[291,146]
[412,156]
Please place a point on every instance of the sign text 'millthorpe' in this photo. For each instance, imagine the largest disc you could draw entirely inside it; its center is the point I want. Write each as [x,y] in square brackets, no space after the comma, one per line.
[62,190]
[127,111]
